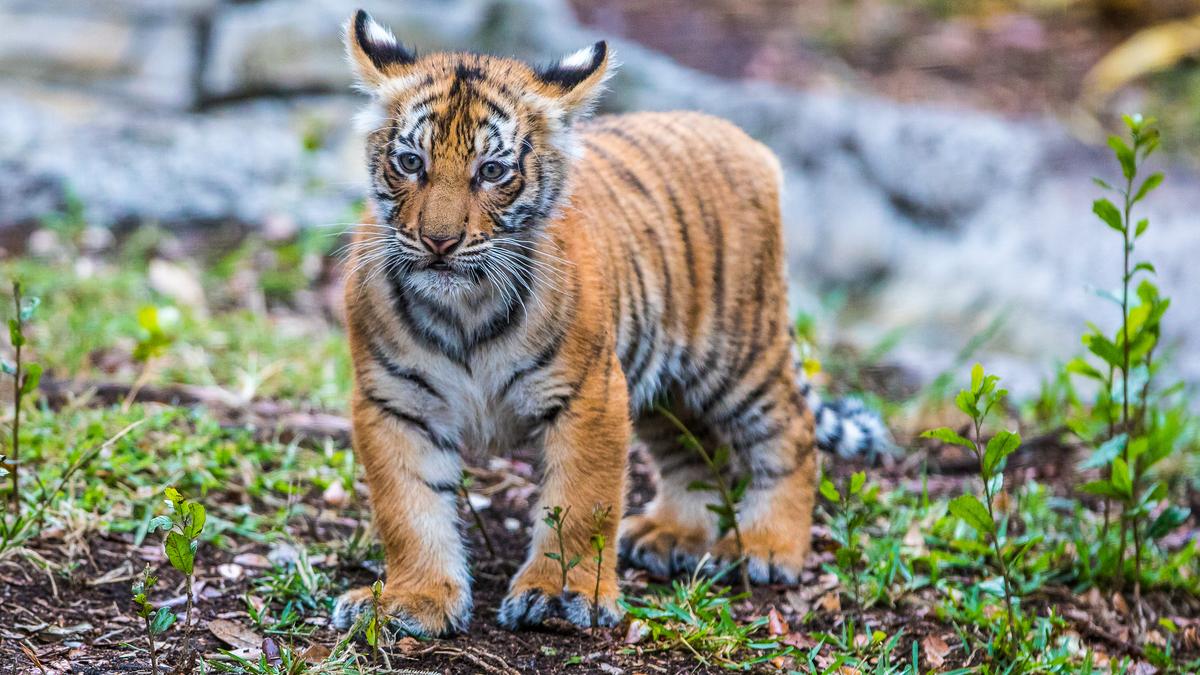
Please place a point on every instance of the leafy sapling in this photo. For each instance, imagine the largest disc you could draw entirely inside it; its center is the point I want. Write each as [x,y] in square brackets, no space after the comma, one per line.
[849,517]
[25,378]
[183,526]
[600,517]
[730,495]
[375,623]
[554,519]
[1125,427]
[976,402]
[157,620]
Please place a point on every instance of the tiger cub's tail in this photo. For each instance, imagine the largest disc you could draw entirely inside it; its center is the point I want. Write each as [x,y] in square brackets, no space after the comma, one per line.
[846,427]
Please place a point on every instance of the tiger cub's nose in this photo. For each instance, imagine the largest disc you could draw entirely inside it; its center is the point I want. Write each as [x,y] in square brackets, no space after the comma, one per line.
[441,244]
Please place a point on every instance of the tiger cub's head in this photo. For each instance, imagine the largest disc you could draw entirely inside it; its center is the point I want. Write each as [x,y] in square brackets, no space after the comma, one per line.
[467,153]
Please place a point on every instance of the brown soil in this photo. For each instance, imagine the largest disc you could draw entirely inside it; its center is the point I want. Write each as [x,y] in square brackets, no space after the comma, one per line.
[81,621]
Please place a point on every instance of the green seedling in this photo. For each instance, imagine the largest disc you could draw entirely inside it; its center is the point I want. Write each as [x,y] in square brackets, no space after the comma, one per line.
[157,621]
[976,402]
[600,517]
[25,378]
[554,519]
[183,528]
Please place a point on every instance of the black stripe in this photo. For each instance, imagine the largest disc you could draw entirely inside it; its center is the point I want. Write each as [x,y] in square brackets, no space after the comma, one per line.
[541,361]
[443,488]
[402,301]
[743,443]
[495,108]
[414,421]
[752,397]
[407,374]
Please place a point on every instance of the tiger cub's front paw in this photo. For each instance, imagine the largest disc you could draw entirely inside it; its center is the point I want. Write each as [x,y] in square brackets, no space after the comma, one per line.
[433,611]
[530,605]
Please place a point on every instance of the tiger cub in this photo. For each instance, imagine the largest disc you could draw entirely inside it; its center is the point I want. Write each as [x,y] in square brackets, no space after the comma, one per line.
[535,279]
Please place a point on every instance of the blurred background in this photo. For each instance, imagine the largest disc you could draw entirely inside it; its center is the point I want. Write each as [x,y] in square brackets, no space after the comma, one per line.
[938,153]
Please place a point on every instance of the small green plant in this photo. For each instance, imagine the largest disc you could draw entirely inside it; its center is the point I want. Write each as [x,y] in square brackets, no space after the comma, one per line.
[375,631]
[183,526]
[1130,424]
[730,496]
[976,402]
[850,515]
[696,615]
[600,517]
[555,519]
[464,491]
[25,378]
[157,620]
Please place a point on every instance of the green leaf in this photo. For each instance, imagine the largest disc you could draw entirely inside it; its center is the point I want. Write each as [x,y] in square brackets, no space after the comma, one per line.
[1143,266]
[1079,366]
[829,491]
[1106,453]
[179,552]
[198,517]
[159,523]
[1000,446]
[948,435]
[14,333]
[857,480]
[1104,348]
[976,377]
[1121,479]
[173,496]
[370,633]
[720,457]
[967,402]
[701,486]
[1101,488]
[1154,180]
[1141,227]
[29,307]
[1102,183]
[1108,212]
[1124,155]
[162,620]
[32,376]
[973,513]
[1167,521]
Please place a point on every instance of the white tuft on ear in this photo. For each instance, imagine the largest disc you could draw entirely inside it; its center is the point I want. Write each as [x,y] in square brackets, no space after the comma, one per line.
[575,81]
[579,59]
[379,36]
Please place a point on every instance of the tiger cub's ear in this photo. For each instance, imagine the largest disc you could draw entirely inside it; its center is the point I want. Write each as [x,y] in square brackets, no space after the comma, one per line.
[374,52]
[576,80]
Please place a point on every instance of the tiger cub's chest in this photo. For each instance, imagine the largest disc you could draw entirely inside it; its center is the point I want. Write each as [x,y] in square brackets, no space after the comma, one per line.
[500,399]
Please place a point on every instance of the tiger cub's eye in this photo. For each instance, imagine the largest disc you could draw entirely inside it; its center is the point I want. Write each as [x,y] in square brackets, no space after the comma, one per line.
[491,170]
[410,162]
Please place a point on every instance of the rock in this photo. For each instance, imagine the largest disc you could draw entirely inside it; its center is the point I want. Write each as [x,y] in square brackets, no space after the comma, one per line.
[150,60]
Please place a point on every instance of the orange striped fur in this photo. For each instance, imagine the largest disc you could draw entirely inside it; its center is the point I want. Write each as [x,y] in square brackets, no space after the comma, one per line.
[531,278]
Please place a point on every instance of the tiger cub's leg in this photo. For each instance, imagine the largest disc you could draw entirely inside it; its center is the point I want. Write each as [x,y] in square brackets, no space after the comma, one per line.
[413,482]
[676,528]
[770,431]
[585,453]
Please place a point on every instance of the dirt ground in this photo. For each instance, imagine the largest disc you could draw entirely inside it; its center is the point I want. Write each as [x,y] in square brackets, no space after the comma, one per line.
[83,623]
